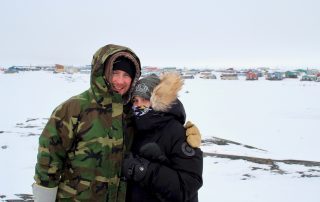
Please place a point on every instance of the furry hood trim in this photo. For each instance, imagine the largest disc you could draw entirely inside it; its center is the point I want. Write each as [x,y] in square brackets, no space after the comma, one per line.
[165,93]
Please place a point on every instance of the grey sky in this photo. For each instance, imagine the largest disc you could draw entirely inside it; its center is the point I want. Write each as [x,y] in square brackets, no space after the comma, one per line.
[183,33]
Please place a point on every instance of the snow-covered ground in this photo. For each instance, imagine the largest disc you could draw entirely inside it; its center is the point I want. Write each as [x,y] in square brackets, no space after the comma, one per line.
[267,119]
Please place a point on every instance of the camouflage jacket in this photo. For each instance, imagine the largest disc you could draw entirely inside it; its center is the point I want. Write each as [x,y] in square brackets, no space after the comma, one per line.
[82,146]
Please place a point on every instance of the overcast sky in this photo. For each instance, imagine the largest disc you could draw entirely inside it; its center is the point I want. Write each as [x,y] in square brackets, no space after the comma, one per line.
[182,33]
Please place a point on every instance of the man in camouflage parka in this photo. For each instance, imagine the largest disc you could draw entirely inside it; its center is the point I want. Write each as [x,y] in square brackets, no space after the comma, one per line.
[82,146]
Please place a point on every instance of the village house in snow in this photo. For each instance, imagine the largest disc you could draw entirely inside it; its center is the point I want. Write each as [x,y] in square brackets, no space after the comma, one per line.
[207,75]
[291,74]
[66,69]
[251,75]
[147,70]
[229,76]
[308,78]
[274,76]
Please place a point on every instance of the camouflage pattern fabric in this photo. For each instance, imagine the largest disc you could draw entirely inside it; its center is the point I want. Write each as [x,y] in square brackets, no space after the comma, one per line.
[82,145]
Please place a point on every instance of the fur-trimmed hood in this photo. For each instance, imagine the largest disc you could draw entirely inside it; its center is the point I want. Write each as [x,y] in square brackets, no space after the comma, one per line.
[165,104]
[166,92]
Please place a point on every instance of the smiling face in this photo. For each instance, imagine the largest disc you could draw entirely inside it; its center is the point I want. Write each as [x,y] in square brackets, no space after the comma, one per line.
[120,81]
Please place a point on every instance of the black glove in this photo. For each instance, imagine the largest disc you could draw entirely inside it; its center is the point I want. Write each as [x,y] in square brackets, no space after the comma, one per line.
[134,168]
[152,151]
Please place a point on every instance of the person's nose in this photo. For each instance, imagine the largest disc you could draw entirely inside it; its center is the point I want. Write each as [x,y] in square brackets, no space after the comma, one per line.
[120,79]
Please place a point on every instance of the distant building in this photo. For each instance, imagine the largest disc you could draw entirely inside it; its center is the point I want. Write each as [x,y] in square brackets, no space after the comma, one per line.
[150,70]
[291,74]
[58,68]
[229,76]
[188,75]
[11,70]
[71,69]
[251,75]
[171,69]
[207,75]
[308,78]
[86,69]
[274,76]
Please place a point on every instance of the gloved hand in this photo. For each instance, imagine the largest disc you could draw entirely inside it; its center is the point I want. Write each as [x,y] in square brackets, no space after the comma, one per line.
[134,168]
[193,134]
[152,152]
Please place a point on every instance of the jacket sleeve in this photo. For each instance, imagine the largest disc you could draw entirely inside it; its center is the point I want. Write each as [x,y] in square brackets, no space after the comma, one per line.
[54,141]
[182,178]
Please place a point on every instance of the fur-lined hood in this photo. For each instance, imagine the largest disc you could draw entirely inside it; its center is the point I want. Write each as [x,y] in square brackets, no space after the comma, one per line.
[165,93]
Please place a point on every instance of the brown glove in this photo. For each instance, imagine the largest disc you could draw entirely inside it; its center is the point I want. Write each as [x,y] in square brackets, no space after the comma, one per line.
[193,134]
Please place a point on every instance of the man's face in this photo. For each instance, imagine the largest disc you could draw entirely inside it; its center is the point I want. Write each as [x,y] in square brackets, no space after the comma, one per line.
[120,81]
